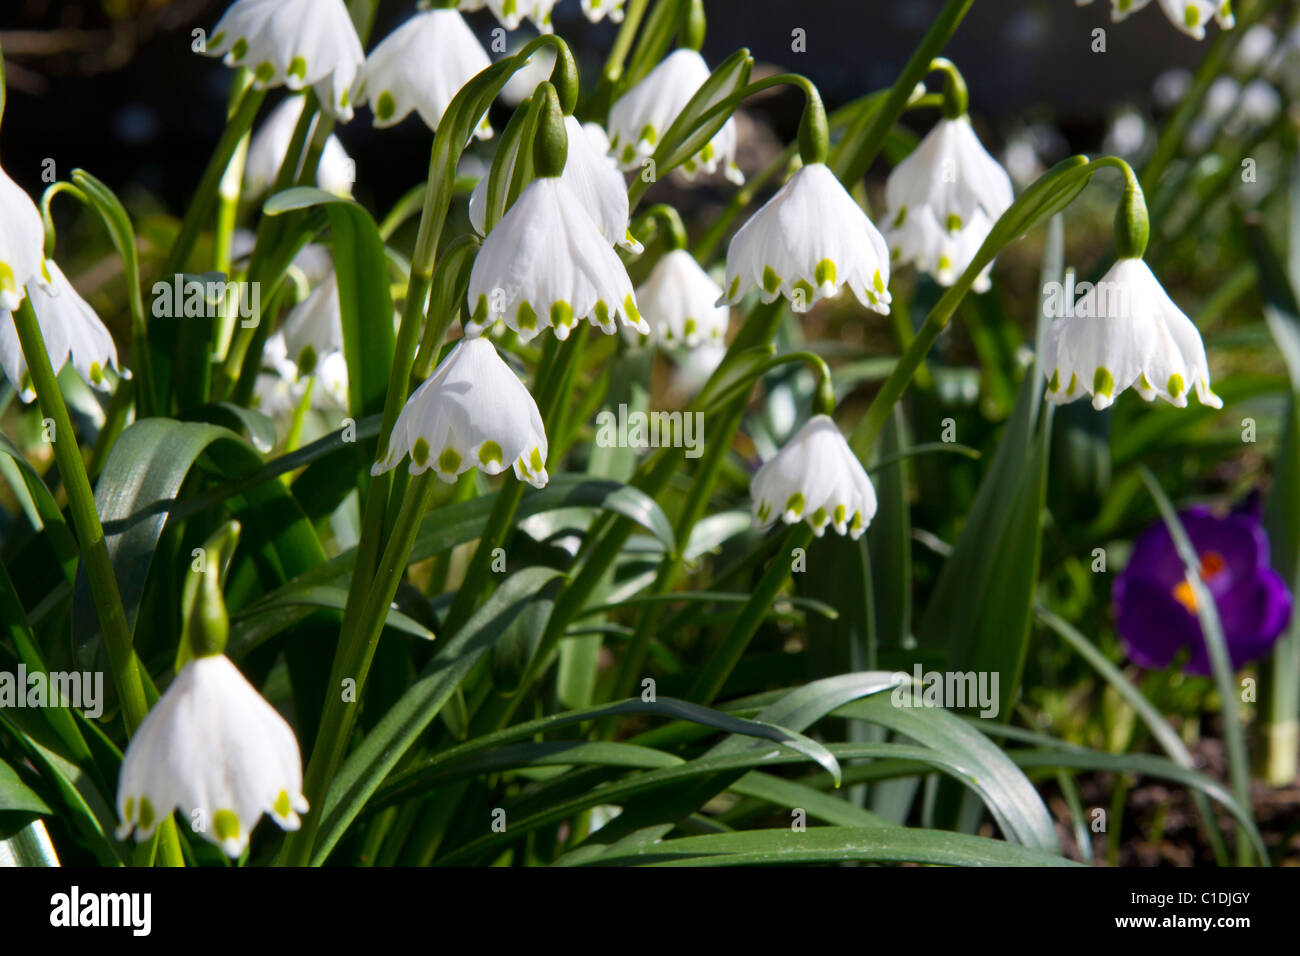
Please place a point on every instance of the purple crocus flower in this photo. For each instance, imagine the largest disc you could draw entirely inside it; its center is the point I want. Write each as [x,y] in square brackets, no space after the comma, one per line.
[1155,606]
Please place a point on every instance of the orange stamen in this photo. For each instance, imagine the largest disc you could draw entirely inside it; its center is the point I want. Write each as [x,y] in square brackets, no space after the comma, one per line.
[1212,564]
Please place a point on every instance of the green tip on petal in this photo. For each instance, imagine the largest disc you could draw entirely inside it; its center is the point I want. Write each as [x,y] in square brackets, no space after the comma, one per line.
[1176,385]
[526,318]
[490,453]
[282,805]
[265,72]
[1054,383]
[771,281]
[298,68]
[449,461]
[146,814]
[825,272]
[420,451]
[561,315]
[535,460]
[226,824]
[630,309]
[385,106]
[795,504]
[1103,383]
[954,222]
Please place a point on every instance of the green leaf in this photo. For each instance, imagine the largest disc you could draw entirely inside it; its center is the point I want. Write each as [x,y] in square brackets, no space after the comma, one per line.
[416,781]
[365,301]
[381,749]
[982,605]
[47,510]
[16,796]
[137,488]
[1008,794]
[463,521]
[1280,697]
[258,623]
[878,844]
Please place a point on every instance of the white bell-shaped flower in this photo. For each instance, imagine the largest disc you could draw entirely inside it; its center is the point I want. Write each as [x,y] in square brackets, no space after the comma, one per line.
[597,184]
[641,116]
[948,185]
[71,330]
[421,66]
[806,243]
[270,144]
[547,265]
[310,342]
[473,412]
[815,478]
[293,43]
[682,303]
[597,10]
[941,254]
[22,242]
[1190,16]
[1125,332]
[511,13]
[215,748]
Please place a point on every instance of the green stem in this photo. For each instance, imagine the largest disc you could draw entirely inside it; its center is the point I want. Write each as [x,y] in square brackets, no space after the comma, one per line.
[94,552]
[1234,737]
[721,662]
[356,652]
[864,141]
[1214,64]
[241,120]
[81,502]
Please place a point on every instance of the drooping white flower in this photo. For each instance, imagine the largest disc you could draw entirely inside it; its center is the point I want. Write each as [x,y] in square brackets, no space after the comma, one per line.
[598,186]
[948,185]
[1254,49]
[310,342]
[641,116]
[511,13]
[270,144]
[692,369]
[815,478]
[597,10]
[1124,332]
[22,241]
[524,81]
[681,300]
[293,43]
[1190,16]
[421,66]
[473,412]
[215,748]
[71,330]
[547,265]
[807,242]
[941,254]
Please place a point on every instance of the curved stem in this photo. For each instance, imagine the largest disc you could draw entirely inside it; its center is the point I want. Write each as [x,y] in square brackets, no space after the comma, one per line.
[864,142]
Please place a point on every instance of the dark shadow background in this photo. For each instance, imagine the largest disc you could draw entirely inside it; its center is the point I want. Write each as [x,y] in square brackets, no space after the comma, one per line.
[113,86]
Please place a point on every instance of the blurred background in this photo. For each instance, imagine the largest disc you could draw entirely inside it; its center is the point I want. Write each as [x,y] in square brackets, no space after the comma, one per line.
[114,86]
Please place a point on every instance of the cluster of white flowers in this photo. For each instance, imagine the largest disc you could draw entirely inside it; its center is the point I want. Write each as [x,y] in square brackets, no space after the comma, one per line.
[1190,16]
[552,261]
